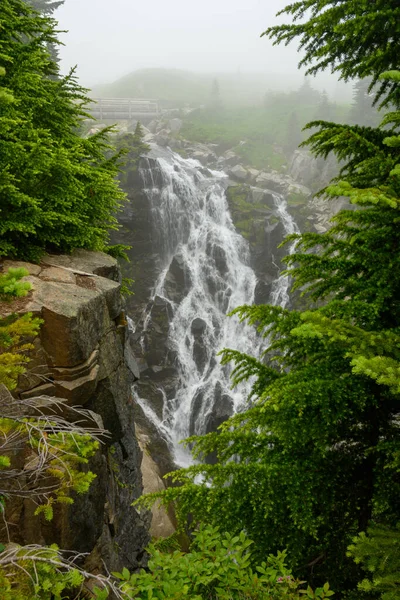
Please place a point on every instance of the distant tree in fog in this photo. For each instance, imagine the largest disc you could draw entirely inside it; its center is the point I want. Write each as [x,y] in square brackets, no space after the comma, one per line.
[306,94]
[46,7]
[326,109]
[362,112]
[293,135]
[215,100]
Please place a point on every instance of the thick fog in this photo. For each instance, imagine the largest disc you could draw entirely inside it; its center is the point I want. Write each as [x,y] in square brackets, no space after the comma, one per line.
[108,39]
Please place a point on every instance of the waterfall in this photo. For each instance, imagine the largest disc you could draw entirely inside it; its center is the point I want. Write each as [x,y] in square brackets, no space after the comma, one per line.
[281,286]
[204,273]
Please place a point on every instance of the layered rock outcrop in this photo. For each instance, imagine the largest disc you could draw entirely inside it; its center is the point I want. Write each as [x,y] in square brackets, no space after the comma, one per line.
[80,356]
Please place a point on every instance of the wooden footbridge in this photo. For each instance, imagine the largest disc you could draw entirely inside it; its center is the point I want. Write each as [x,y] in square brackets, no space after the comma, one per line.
[121,109]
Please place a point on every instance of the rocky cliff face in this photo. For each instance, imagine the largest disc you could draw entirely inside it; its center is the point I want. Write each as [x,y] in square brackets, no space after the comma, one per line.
[81,356]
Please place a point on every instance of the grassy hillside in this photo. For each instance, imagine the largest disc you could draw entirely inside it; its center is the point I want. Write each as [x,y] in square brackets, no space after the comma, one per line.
[264,135]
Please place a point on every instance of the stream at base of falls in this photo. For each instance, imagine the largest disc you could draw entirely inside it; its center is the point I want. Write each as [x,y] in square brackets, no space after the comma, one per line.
[199,247]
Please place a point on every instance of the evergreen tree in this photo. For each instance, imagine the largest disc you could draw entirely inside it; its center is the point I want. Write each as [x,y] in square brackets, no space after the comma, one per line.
[325,108]
[132,148]
[57,190]
[357,39]
[215,99]
[306,94]
[379,554]
[46,7]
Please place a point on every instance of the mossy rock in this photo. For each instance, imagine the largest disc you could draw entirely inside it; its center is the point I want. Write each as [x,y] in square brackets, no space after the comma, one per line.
[296,199]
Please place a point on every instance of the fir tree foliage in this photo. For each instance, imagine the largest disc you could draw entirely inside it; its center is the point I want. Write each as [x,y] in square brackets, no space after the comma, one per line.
[46,7]
[354,38]
[131,147]
[57,190]
[379,553]
[11,286]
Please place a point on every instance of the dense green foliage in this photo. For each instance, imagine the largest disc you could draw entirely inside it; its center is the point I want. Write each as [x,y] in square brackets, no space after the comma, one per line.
[57,190]
[37,579]
[355,38]
[314,460]
[216,567]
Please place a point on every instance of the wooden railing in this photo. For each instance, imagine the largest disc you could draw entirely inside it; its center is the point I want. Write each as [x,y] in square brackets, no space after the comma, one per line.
[123,108]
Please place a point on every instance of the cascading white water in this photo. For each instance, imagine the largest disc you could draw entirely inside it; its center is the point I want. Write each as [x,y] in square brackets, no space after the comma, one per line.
[197,239]
[281,286]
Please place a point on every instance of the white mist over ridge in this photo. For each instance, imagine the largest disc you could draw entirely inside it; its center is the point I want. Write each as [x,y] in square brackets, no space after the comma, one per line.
[200,247]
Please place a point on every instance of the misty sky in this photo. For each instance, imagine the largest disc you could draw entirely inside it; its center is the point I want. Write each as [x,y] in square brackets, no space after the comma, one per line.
[110,38]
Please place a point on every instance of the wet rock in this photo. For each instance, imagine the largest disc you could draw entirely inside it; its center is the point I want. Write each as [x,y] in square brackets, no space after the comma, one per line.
[205,156]
[195,410]
[178,280]
[230,158]
[175,125]
[257,195]
[131,360]
[222,410]
[162,138]
[200,354]
[155,125]
[198,326]
[314,173]
[157,444]
[273,181]
[151,392]
[220,258]
[301,190]
[162,522]
[238,172]
[253,174]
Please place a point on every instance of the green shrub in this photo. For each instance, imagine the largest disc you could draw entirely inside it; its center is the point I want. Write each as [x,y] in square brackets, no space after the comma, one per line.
[217,567]
[11,286]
